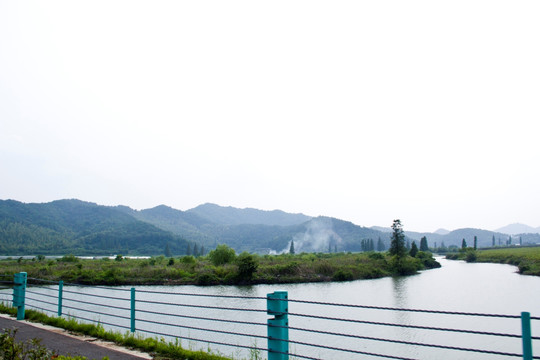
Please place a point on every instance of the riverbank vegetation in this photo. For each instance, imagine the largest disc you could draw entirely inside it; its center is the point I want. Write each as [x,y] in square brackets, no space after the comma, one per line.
[527,259]
[221,266]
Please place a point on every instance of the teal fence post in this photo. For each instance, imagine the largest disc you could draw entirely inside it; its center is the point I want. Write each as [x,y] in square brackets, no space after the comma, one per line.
[19,293]
[526,335]
[132,309]
[60,293]
[278,327]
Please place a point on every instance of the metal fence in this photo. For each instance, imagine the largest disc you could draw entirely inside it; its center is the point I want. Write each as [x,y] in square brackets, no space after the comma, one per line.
[227,321]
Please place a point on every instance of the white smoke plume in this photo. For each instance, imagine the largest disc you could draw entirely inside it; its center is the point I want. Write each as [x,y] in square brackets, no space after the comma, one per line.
[318,236]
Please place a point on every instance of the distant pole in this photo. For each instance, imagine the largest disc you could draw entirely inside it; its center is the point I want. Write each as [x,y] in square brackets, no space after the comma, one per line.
[19,293]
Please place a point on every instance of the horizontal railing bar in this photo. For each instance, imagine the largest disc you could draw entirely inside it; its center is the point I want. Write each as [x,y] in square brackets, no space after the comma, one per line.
[40,308]
[90,303]
[96,287]
[205,295]
[420,327]
[404,343]
[202,318]
[94,295]
[201,306]
[97,312]
[40,300]
[204,329]
[41,294]
[401,309]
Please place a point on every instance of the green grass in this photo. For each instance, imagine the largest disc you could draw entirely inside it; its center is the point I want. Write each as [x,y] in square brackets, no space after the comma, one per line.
[159,347]
[187,270]
[527,259]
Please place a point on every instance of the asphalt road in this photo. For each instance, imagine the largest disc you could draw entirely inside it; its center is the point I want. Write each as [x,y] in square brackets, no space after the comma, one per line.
[62,343]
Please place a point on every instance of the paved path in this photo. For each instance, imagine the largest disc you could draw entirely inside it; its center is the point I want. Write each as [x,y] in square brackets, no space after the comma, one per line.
[62,343]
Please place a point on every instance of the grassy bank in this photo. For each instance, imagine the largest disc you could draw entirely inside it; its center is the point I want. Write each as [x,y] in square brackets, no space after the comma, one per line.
[222,266]
[527,259]
[159,348]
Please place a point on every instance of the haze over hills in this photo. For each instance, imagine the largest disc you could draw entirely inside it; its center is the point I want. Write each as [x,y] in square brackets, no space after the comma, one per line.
[83,228]
[514,229]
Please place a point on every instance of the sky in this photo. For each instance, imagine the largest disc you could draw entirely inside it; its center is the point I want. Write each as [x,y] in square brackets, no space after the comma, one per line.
[367,111]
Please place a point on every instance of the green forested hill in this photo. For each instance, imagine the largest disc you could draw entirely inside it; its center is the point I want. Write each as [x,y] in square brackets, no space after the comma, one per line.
[74,226]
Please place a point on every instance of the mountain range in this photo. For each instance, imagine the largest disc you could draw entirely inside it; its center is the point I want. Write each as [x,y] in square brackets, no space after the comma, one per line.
[84,228]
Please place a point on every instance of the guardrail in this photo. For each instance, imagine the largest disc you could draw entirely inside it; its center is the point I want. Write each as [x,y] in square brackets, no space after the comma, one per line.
[167,314]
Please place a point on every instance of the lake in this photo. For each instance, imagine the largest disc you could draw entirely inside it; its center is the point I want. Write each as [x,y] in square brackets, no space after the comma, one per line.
[456,286]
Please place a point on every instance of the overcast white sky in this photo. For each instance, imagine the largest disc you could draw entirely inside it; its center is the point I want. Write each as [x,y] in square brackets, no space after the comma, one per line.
[427,111]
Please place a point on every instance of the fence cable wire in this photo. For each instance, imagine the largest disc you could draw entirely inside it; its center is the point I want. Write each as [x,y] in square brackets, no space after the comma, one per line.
[420,327]
[401,309]
[201,306]
[105,305]
[203,318]
[93,295]
[205,295]
[97,312]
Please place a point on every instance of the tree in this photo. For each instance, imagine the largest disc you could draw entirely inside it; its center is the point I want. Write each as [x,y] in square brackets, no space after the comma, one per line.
[493,241]
[222,255]
[414,249]
[247,266]
[397,240]
[463,244]
[291,249]
[424,244]
[188,249]
[475,242]
[168,252]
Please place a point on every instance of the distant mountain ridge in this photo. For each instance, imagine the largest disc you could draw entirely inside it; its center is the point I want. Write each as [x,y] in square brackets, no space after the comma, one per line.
[234,216]
[74,226]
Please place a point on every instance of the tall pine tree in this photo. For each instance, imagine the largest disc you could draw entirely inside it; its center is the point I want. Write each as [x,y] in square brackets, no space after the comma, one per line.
[397,240]
[291,249]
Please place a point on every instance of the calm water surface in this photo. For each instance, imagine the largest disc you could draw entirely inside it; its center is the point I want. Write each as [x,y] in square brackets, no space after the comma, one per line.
[457,286]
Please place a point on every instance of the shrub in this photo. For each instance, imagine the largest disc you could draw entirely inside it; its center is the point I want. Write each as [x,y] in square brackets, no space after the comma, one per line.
[376,256]
[343,275]
[188,259]
[207,279]
[68,258]
[325,268]
[470,256]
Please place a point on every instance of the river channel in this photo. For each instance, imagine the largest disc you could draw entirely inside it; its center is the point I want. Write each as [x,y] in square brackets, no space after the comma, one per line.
[456,286]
